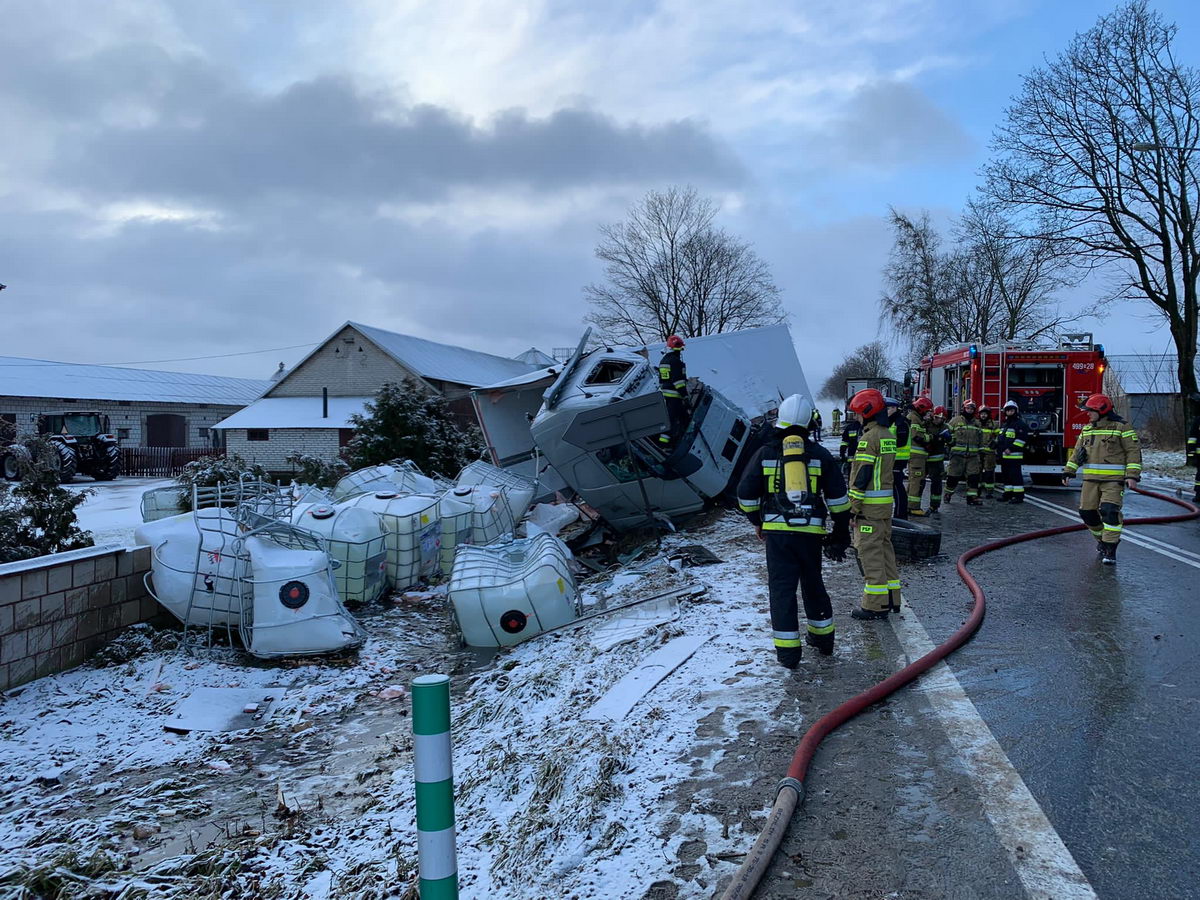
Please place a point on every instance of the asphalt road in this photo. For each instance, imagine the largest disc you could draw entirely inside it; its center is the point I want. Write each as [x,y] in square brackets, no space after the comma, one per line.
[1088,676]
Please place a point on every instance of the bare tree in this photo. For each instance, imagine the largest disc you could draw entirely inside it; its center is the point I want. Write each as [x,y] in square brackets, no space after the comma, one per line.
[868,361]
[990,285]
[1099,150]
[670,270]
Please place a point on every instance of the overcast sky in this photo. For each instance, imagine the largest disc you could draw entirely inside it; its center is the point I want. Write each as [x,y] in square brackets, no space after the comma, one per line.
[185,179]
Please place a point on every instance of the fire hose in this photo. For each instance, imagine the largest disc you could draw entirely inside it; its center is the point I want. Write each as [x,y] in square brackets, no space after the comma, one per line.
[791,790]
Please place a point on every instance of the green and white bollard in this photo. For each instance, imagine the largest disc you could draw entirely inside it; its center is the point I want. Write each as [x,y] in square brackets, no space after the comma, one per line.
[435,787]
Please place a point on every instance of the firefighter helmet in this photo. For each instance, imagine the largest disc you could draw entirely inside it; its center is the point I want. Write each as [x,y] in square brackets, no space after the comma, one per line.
[922,405]
[675,342]
[971,404]
[1012,404]
[795,410]
[868,403]
[1099,403]
[984,411]
[939,411]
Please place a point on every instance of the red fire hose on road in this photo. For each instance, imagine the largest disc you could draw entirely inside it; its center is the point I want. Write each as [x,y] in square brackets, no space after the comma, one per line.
[791,789]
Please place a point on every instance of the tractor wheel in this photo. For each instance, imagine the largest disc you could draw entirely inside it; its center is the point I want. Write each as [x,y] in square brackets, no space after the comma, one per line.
[108,466]
[67,463]
[915,540]
[10,461]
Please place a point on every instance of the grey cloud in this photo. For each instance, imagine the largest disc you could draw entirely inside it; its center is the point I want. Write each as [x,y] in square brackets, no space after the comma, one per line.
[890,124]
[203,139]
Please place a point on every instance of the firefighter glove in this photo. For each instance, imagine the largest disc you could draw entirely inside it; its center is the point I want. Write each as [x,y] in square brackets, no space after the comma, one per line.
[836,545]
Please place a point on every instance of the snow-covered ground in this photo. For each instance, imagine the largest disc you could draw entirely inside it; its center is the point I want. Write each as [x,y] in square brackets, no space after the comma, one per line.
[99,798]
[114,509]
[1165,468]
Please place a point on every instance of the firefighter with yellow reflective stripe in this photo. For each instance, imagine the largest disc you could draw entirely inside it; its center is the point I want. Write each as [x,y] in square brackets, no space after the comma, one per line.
[791,489]
[1010,444]
[965,449]
[918,455]
[672,384]
[871,507]
[1109,456]
[987,456]
[1193,447]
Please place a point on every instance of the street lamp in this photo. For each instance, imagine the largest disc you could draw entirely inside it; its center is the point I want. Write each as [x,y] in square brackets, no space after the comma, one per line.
[1143,146]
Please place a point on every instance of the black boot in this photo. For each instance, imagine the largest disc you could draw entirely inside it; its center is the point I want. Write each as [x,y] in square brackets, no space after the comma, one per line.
[868,615]
[789,657]
[1110,554]
[823,643]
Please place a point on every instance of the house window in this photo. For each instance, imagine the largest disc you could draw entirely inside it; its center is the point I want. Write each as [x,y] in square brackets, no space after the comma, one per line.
[8,426]
[344,436]
[122,434]
[258,434]
[203,432]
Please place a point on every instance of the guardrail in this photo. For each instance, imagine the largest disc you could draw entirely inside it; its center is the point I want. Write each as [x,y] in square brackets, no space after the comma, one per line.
[162,462]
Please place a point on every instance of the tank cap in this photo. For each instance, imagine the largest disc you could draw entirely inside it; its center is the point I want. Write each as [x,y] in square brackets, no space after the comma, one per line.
[386,495]
[462,491]
[321,512]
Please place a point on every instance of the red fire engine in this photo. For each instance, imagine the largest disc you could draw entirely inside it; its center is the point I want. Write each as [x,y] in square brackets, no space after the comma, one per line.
[1048,383]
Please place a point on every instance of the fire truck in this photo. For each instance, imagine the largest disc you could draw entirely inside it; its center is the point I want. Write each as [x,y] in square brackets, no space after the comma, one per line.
[1049,384]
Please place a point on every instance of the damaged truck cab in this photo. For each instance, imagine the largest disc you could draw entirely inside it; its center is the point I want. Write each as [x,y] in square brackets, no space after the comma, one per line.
[599,425]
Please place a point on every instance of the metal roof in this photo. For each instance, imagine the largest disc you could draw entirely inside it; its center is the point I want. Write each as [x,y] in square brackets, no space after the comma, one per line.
[296,412]
[1146,373]
[535,357]
[444,362]
[21,377]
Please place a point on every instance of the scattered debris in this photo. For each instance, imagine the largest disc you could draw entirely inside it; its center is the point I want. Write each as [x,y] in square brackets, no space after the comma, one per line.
[391,692]
[137,640]
[692,555]
[625,694]
[223,709]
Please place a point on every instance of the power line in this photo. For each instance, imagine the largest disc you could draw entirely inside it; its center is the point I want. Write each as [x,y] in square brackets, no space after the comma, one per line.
[146,362]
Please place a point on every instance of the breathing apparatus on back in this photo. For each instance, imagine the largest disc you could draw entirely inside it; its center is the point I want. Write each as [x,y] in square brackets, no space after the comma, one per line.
[795,416]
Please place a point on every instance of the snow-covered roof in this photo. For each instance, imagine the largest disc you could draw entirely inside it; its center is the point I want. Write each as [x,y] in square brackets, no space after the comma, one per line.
[21,377]
[535,357]
[295,412]
[1146,373]
[444,362]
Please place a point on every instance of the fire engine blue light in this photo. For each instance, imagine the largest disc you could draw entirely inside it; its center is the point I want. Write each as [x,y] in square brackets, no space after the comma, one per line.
[974,351]
[1100,350]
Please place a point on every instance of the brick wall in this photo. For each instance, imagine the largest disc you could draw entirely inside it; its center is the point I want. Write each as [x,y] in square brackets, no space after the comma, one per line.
[131,417]
[56,611]
[348,364]
[270,454]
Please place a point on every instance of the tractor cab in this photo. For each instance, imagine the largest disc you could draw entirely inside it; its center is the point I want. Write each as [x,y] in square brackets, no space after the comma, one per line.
[74,425]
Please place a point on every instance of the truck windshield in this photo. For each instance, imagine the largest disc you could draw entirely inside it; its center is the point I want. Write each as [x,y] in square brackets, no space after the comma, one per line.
[80,426]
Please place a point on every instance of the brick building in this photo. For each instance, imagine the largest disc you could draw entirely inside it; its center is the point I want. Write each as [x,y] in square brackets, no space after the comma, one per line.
[146,408]
[349,367]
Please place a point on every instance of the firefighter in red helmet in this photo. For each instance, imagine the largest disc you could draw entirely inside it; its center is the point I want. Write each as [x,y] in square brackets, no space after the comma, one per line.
[1110,456]
[672,383]
[871,507]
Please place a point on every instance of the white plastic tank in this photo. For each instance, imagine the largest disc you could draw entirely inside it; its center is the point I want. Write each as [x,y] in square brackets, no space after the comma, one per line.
[412,534]
[296,607]
[517,489]
[403,479]
[490,517]
[356,540]
[507,593]
[184,558]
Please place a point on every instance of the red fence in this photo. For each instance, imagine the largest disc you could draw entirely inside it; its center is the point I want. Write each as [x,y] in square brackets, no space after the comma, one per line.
[163,462]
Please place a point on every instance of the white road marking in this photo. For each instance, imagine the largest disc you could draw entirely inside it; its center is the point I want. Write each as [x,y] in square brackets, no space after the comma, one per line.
[1176,553]
[1042,861]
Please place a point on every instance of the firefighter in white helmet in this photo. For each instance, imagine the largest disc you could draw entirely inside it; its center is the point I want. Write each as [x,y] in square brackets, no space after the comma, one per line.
[793,491]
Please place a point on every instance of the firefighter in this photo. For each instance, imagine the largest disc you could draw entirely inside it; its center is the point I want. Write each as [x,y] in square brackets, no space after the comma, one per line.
[1193,448]
[935,462]
[837,420]
[791,487]
[816,425]
[871,502]
[918,430]
[898,425]
[987,458]
[849,446]
[672,382]
[965,450]
[1110,455]
[1010,444]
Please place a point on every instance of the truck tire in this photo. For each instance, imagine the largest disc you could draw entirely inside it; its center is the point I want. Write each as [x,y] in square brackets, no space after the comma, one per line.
[108,466]
[66,463]
[915,540]
[10,461]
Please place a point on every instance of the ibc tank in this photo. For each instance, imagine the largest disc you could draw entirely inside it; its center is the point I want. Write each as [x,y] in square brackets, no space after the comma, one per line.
[412,534]
[355,538]
[184,558]
[518,490]
[508,593]
[403,479]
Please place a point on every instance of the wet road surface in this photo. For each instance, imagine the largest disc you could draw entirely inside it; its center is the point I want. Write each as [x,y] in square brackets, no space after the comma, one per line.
[1089,678]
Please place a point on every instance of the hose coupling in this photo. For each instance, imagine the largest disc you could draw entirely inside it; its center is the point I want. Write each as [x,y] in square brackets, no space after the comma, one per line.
[795,784]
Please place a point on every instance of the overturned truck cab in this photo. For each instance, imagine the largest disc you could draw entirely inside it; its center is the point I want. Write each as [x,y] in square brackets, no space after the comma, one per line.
[599,426]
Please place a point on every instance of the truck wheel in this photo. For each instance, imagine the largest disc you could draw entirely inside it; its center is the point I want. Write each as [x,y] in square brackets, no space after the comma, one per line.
[66,463]
[109,465]
[915,540]
[10,460]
